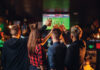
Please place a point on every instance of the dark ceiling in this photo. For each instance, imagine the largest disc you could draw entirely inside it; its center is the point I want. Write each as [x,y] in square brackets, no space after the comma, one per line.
[21,8]
[33,8]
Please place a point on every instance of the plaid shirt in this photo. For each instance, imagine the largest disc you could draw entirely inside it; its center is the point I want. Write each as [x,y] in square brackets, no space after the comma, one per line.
[37,58]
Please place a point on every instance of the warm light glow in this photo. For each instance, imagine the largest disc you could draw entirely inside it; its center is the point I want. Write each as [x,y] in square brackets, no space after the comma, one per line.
[99,29]
[98,36]
[25,19]
[9,26]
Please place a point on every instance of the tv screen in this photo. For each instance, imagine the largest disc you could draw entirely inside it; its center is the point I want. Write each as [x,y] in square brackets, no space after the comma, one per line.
[57,19]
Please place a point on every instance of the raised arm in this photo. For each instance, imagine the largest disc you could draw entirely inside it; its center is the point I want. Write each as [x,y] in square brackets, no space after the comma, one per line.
[47,23]
[44,40]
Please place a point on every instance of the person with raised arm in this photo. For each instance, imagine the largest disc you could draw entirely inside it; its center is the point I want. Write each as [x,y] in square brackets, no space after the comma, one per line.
[14,52]
[36,52]
[56,52]
[76,51]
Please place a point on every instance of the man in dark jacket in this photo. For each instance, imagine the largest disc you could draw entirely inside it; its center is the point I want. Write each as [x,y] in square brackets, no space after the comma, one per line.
[14,53]
[76,51]
[56,52]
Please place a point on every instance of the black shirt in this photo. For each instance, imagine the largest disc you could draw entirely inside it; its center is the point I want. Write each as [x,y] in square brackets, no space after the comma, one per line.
[56,56]
[14,54]
[75,55]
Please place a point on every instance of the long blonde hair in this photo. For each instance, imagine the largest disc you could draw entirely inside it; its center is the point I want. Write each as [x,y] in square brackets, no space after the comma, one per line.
[33,40]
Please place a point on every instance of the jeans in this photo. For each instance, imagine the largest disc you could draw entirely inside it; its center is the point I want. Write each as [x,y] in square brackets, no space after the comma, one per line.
[31,67]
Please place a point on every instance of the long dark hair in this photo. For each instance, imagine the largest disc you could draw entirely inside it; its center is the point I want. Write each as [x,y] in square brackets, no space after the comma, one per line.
[33,40]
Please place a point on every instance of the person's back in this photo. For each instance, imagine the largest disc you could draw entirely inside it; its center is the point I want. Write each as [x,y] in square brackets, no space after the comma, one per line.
[14,55]
[75,55]
[14,52]
[56,55]
[60,56]
[56,52]
[76,51]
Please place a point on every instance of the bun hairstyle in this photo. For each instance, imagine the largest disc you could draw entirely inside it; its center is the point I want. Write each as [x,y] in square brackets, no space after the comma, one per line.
[76,31]
[33,26]
[14,29]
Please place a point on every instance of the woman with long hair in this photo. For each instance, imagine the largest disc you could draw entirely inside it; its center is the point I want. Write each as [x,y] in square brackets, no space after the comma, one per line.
[35,50]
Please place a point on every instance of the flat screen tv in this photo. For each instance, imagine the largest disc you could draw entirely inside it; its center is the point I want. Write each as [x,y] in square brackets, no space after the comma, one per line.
[57,19]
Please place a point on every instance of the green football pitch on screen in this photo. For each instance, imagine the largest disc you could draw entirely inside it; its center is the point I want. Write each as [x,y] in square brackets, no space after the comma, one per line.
[57,19]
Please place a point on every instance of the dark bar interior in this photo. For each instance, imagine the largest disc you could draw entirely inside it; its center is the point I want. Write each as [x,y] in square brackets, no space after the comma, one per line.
[38,25]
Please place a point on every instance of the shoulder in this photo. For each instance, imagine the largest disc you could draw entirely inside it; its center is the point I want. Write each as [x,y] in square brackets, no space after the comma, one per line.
[51,47]
[71,47]
[63,45]
[39,48]
[10,41]
[51,51]
[25,39]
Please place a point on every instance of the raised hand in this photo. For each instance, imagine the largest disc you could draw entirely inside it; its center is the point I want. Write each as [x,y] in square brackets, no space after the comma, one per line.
[48,22]
[56,26]
[33,26]
[62,28]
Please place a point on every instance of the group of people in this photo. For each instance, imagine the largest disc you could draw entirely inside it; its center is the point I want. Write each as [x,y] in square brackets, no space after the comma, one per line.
[29,54]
